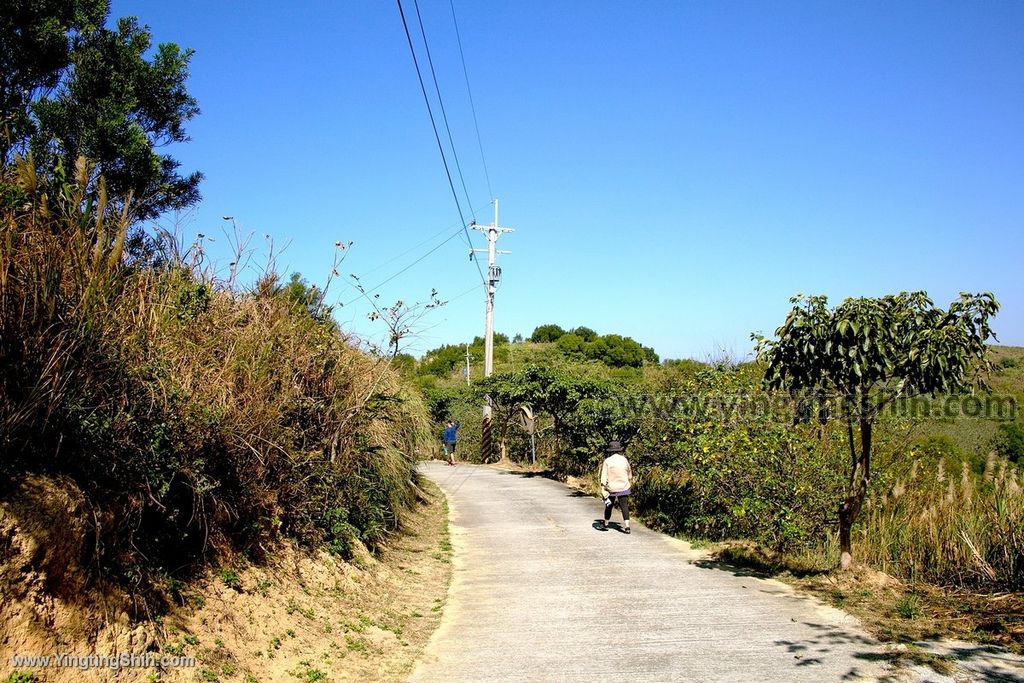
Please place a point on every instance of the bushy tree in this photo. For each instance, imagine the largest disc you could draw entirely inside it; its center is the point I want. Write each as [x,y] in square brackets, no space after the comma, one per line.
[585,333]
[1009,441]
[580,408]
[617,351]
[71,87]
[499,340]
[868,352]
[304,296]
[443,360]
[651,356]
[572,345]
[547,333]
[36,41]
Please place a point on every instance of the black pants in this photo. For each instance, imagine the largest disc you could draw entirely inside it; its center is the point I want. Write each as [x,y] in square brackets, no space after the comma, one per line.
[623,502]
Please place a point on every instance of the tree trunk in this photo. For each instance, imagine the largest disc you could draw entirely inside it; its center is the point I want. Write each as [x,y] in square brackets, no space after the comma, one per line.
[845,527]
[860,478]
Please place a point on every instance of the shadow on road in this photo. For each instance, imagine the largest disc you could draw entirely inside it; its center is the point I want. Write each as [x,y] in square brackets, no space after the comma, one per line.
[733,569]
[810,651]
[760,572]
[983,663]
[544,474]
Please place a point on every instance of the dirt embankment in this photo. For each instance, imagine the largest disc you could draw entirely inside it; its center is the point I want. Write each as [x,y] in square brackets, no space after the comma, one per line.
[303,616]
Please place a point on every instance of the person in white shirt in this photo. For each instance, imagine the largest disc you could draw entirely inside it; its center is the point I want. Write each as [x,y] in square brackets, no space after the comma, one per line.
[616,479]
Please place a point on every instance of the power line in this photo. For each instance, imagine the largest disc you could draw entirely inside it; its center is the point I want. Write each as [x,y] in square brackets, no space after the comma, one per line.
[414,248]
[381,284]
[440,101]
[459,296]
[437,137]
[472,106]
[410,250]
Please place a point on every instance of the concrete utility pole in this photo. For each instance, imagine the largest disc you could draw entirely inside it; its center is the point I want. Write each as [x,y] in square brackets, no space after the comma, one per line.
[493,232]
[467,364]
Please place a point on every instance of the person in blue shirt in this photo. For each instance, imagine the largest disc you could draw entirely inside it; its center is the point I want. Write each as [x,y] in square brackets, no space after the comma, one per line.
[450,437]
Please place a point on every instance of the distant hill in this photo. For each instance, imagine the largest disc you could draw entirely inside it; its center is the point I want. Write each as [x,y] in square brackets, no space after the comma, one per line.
[606,355]
[975,436]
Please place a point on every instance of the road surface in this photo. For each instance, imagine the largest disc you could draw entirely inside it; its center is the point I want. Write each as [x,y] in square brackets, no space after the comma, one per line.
[540,594]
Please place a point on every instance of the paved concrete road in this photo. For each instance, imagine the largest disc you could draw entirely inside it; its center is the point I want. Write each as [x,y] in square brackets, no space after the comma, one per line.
[539,594]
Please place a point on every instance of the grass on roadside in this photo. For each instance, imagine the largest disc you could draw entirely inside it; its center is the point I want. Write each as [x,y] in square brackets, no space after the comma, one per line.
[891,610]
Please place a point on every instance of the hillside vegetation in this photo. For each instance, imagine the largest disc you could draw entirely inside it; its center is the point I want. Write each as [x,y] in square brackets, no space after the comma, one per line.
[716,457]
[191,418]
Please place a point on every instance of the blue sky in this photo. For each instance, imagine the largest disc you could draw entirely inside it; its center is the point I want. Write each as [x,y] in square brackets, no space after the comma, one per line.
[675,171]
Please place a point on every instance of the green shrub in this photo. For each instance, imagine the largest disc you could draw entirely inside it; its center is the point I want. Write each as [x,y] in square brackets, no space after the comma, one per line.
[717,460]
[1009,441]
[230,578]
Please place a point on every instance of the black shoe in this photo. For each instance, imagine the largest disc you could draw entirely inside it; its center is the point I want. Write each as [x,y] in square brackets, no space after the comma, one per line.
[626,529]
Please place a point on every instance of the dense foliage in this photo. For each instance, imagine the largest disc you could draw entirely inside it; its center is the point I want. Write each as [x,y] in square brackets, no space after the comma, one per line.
[444,360]
[613,350]
[1009,442]
[717,459]
[547,333]
[70,87]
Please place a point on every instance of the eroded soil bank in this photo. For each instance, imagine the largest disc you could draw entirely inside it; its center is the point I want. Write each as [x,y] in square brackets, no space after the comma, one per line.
[301,616]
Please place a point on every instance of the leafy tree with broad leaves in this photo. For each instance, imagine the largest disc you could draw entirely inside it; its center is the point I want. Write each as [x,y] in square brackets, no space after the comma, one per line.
[866,353]
[71,87]
[573,403]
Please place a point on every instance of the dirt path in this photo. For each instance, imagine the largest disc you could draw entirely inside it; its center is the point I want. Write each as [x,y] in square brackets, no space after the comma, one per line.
[539,593]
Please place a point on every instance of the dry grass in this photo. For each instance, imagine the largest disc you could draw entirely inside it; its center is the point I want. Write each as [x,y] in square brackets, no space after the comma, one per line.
[891,609]
[899,612]
[949,528]
[198,418]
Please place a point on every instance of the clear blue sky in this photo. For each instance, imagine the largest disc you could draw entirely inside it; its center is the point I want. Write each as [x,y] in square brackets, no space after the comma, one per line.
[675,171]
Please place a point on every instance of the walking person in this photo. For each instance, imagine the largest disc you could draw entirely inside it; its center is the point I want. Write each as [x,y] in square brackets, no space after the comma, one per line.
[616,479]
[450,437]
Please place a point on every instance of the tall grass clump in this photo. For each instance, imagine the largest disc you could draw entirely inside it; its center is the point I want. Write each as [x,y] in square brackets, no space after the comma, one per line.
[951,528]
[194,415]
